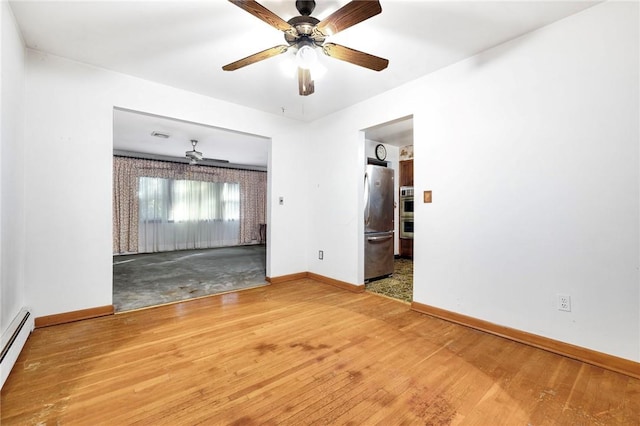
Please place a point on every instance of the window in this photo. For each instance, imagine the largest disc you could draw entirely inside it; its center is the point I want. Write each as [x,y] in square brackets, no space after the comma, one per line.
[170,200]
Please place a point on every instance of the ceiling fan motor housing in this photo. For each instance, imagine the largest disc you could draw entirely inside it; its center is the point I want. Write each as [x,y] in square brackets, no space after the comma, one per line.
[304,26]
[305,7]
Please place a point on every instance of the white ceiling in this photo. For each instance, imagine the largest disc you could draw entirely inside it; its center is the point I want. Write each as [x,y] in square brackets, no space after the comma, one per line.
[132,132]
[184,44]
[397,132]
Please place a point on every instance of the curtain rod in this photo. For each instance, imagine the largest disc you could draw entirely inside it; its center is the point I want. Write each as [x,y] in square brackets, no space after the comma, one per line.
[178,160]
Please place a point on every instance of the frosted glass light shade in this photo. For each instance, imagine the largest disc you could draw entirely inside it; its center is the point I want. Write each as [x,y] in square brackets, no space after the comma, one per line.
[306,57]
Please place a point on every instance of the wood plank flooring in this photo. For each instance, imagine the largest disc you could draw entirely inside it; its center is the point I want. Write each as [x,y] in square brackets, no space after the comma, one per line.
[300,353]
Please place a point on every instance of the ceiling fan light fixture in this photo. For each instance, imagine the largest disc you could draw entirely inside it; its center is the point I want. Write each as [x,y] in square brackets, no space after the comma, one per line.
[306,57]
[289,68]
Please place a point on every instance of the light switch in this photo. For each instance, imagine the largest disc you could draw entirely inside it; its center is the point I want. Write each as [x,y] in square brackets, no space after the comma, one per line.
[427,196]
[281,201]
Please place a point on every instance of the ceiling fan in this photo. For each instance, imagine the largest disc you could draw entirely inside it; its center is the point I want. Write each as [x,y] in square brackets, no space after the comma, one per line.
[193,156]
[305,33]
[196,157]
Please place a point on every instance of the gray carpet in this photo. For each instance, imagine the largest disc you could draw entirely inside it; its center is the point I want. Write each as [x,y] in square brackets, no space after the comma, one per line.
[142,280]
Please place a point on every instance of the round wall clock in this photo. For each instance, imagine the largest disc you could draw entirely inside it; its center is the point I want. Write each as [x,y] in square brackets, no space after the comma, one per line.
[381,152]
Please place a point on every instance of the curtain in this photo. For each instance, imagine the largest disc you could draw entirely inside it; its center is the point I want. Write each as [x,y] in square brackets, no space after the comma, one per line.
[125,206]
[193,206]
[187,214]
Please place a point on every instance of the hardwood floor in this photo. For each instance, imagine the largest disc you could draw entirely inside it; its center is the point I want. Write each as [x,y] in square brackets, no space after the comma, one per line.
[300,353]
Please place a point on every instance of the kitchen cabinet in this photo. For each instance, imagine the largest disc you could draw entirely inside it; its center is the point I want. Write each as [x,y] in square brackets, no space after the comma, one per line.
[406,173]
[406,248]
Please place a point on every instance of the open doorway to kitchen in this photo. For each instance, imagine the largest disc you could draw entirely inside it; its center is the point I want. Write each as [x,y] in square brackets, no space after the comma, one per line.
[189,210]
[390,145]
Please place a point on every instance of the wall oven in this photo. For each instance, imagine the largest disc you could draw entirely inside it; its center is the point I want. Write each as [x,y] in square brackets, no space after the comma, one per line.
[406,227]
[406,212]
[406,201]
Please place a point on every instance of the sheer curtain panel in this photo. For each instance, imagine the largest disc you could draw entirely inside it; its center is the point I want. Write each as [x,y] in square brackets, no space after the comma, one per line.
[187,214]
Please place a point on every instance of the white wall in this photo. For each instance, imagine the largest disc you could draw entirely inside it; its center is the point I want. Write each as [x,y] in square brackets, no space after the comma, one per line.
[12,228]
[533,159]
[532,152]
[69,110]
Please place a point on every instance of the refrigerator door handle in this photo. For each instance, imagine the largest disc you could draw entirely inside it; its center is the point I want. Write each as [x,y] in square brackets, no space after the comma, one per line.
[385,237]
[367,191]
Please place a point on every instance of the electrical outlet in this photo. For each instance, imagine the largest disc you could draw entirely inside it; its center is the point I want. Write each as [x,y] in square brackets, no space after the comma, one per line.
[564,302]
[320,254]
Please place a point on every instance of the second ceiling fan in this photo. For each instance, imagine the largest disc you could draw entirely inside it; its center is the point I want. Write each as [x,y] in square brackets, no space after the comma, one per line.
[305,33]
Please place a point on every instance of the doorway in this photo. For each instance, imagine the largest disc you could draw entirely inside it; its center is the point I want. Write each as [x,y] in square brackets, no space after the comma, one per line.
[396,137]
[190,210]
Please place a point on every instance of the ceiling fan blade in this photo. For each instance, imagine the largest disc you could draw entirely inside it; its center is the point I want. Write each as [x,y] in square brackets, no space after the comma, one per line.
[214,160]
[348,15]
[355,56]
[305,83]
[261,12]
[256,57]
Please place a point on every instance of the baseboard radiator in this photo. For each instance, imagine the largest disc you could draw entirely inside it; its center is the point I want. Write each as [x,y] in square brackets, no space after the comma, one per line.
[13,340]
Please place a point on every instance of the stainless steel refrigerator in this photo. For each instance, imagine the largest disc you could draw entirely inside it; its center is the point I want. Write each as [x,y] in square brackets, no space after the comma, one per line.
[378,222]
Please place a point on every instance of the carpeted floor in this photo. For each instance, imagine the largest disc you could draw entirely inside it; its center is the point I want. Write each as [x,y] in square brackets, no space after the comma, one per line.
[151,279]
[399,285]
